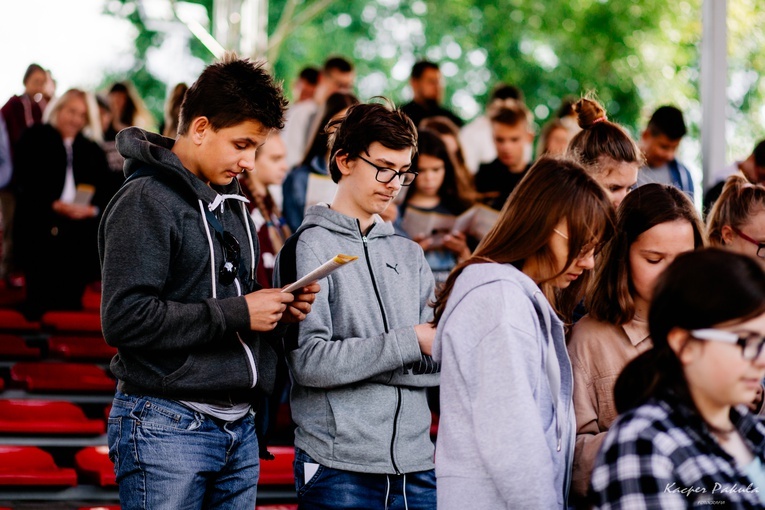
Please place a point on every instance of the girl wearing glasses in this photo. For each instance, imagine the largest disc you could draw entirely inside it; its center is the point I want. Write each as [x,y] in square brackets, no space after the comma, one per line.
[506,434]
[684,436]
[655,223]
[737,220]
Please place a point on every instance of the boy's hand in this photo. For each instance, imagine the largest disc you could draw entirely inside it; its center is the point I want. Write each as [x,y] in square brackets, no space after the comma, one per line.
[267,307]
[301,306]
[426,333]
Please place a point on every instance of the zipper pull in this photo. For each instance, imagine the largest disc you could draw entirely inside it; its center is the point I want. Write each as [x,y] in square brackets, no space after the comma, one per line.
[364,239]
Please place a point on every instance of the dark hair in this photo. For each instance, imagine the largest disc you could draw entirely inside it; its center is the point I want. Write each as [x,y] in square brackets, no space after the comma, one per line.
[336,103]
[600,138]
[511,113]
[337,64]
[552,190]
[667,121]
[127,115]
[444,126]
[611,296]
[566,107]
[430,143]
[504,91]
[759,154]
[309,74]
[366,123]
[738,201]
[419,68]
[32,69]
[700,289]
[233,91]
[173,109]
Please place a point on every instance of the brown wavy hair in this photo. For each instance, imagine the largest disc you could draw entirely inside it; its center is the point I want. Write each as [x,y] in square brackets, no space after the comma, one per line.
[600,138]
[553,189]
[610,298]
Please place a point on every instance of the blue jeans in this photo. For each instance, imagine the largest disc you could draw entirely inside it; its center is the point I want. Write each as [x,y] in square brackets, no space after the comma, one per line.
[167,456]
[329,488]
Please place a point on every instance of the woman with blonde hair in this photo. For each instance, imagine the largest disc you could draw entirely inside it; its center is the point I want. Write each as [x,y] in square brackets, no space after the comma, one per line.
[737,220]
[61,193]
[605,150]
[506,435]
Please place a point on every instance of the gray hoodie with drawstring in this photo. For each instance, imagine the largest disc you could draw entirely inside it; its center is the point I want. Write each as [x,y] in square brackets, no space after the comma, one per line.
[359,378]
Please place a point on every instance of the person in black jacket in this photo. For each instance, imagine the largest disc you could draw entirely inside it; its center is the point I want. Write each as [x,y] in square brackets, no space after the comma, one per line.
[59,173]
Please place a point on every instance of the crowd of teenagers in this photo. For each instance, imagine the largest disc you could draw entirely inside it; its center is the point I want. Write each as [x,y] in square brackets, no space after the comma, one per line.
[585,338]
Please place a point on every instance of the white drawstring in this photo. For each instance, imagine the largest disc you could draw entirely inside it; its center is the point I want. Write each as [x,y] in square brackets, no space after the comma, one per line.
[406,505]
[387,492]
[212,249]
[245,216]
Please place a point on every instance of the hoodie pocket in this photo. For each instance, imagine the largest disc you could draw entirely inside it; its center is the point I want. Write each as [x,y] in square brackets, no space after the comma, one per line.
[224,369]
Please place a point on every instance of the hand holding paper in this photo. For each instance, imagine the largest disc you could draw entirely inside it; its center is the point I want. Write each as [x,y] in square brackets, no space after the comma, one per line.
[320,272]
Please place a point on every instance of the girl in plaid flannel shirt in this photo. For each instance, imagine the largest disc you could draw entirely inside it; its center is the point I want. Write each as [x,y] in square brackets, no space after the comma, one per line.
[685,436]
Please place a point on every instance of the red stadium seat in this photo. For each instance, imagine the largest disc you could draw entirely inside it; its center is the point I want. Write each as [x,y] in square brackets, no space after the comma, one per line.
[101,507]
[28,465]
[57,377]
[43,417]
[13,320]
[15,347]
[91,298]
[80,347]
[94,466]
[73,321]
[278,471]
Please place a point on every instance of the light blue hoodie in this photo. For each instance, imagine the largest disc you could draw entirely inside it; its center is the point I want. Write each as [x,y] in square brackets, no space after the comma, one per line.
[499,442]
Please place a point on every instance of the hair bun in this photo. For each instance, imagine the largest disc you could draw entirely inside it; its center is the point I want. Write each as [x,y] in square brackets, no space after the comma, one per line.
[589,112]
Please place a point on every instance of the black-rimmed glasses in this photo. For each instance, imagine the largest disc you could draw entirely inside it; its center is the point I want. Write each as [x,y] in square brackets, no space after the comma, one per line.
[229,269]
[760,246]
[750,343]
[386,175]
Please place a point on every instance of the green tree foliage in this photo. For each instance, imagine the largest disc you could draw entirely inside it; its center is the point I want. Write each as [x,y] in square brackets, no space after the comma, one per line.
[635,55]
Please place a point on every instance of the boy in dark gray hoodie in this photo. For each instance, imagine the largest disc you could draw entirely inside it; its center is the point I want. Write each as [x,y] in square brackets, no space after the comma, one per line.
[361,361]
[180,302]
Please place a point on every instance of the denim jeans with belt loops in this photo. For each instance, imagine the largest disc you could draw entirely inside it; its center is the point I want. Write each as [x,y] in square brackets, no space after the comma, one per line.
[167,456]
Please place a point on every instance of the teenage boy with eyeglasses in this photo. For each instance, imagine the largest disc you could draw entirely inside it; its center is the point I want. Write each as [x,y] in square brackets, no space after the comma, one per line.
[180,302]
[360,363]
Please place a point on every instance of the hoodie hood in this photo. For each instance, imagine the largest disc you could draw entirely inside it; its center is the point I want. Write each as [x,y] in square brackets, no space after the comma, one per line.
[346,226]
[141,148]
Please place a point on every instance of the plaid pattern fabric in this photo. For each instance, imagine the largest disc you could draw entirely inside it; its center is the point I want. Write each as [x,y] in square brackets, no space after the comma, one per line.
[662,455]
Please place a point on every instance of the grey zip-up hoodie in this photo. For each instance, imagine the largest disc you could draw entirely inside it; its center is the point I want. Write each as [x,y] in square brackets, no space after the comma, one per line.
[359,378]
[179,332]
[504,439]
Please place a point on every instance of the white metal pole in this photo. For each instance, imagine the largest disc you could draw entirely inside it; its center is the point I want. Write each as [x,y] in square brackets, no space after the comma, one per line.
[714,80]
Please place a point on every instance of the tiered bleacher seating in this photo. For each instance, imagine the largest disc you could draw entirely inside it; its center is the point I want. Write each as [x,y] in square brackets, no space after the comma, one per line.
[54,404]
[31,466]
[62,377]
[45,417]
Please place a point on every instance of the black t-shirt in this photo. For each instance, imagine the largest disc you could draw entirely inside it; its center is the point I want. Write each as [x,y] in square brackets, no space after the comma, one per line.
[496,177]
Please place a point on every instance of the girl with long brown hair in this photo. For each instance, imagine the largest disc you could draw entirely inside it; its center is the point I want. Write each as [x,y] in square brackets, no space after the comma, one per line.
[506,382]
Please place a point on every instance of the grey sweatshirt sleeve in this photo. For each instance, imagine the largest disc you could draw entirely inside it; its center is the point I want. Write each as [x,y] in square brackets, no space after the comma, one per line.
[323,362]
